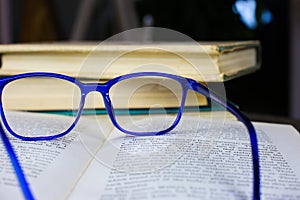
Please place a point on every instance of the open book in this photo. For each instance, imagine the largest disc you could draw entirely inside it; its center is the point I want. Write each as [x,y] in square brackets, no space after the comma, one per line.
[198,160]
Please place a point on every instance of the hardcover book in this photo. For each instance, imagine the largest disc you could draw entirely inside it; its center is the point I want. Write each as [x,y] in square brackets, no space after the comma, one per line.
[216,61]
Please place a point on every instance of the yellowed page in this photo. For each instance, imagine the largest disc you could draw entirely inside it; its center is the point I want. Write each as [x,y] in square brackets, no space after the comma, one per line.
[52,167]
[213,162]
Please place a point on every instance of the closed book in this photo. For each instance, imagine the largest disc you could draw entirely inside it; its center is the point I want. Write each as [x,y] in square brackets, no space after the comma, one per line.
[203,61]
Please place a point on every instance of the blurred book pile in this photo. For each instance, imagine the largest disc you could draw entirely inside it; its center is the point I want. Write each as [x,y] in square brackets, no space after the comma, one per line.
[205,62]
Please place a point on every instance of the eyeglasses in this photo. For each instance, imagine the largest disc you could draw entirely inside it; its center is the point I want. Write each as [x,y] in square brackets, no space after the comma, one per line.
[130,87]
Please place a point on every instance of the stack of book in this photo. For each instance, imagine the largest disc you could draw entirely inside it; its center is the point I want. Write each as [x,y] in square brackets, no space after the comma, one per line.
[216,62]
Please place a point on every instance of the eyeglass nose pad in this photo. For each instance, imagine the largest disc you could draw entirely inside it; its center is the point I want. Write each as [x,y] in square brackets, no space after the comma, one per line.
[108,105]
[110,111]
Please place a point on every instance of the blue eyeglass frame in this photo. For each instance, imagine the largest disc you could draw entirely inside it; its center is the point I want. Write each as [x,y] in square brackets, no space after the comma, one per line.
[186,84]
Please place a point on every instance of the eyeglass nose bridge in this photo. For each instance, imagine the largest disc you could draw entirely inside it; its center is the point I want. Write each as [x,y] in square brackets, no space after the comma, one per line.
[104,90]
[94,87]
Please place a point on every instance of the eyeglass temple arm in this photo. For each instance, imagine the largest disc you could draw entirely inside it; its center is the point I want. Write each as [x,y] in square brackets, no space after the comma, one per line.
[16,165]
[241,117]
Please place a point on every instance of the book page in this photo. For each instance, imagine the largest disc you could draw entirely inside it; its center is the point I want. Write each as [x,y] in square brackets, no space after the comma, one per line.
[51,167]
[207,160]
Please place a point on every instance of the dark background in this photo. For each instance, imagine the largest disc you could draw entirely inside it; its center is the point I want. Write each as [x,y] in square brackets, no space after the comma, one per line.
[264,92]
